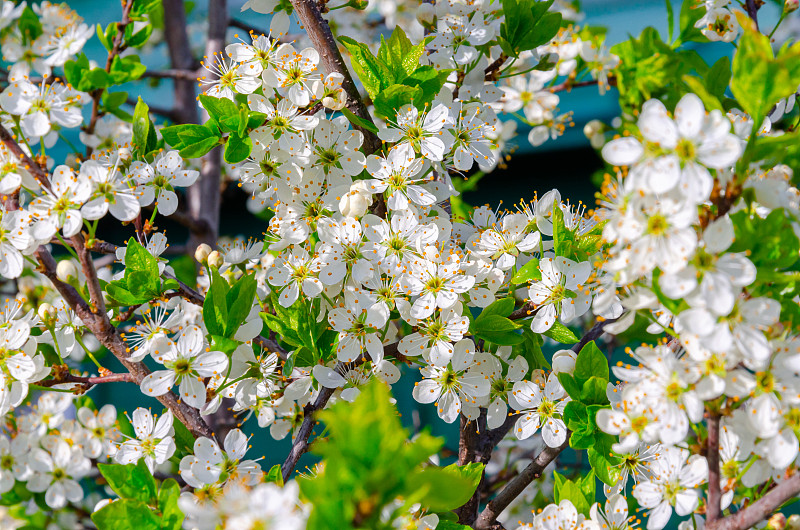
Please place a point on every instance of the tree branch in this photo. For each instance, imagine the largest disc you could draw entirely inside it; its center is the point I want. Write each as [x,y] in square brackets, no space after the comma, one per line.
[173,73]
[85,383]
[752,7]
[713,510]
[487,519]
[761,509]
[322,40]
[300,444]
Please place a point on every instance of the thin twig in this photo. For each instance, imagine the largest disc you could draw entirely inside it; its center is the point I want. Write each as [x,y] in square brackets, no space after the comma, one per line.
[85,383]
[752,7]
[761,509]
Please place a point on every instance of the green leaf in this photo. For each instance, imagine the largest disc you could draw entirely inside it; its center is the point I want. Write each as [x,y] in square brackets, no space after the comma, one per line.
[429,80]
[171,515]
[771,242]
[594,391]
[527,25]
[502,307]
[144,134]
[373,73]
[198,149]
[215,306]
[532,350]
[399,55]
[359,122]
[237,148]
[561,333]
[591,363]
[580,493]
[603,460]
[239,301]
[125,69]
[219,108]
[29,25]
[696,85]
[687,19]
[130,481]
[759,78]
[719,77]
[497,329]
[530,271]
[670,19]
[389,100]
[441,489]
[275,475]
[571,386]
[113,100]
[126,515]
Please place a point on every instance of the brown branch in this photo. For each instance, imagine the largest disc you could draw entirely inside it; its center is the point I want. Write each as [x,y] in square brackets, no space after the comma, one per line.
[109,337]
[300,444]
[761,509]
[752,7]
[568,85]
[476,444]
[487,519]
[319,32]
[33,168]
[173,73]
[713,509]
[116,49]
[90,273]
[85,383]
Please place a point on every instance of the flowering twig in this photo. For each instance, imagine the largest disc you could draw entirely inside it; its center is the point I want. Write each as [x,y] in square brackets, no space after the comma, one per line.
[761,509]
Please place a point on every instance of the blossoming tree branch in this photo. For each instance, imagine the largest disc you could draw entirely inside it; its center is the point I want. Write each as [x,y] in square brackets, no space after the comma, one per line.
[353,127]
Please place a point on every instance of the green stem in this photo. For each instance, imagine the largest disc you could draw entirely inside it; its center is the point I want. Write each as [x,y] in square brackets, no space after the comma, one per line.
[780,20]
[88,353]
[66,246]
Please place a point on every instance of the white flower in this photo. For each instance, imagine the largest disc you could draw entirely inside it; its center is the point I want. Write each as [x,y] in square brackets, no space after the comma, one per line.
[679,152]
[15,238]
[394,175]
[159,183]
[423,131]
[560,292]
[110,193]
[500,386]
[438,284]
[358,322]
[562,516]
[187,367]
[60,208]
[719,24]
[435,336]
[541,408]
[255,57]
[100,430]
[55,473]
[284,123]
[210,464]
[453,385]
[672,486]
[614,516]
[334,148]
[295,74]
[505,243]
[228,79]
[154,443]
[530,96]
[469,137]
[297,271]
[39,106]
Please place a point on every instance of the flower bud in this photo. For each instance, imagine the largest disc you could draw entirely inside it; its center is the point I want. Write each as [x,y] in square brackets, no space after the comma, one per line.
[793,522]
[66,270]
[46,312]
[356,201]
[790,6]
[426,14]
[593,128]
[776,522]
[125,154]
[215,259]
[202,252]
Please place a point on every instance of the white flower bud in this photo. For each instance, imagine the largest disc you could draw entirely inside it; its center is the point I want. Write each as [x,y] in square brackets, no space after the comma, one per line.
[46,312]
[215,259]
[426,14]
[356,201]
[793,522]
[202,252]
[790,6]
[564,361]
[66,270]
[592,128]
[125,154]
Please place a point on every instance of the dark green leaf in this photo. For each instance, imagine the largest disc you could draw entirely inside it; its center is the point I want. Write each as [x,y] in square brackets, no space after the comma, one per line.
[126,515]
[561,333]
